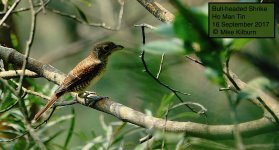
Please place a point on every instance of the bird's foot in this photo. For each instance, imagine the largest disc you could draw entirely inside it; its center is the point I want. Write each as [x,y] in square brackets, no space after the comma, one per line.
[89,94]
[91,98]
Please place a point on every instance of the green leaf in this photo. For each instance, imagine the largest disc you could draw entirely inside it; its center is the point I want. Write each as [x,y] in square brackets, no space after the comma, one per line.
[116,132]
[214,76]
[82,136]
[192,27]
[50,138]
[212,59]
[16,113]
[185,115]
[20,144]
[71,129]
[238,44]
[165,102]
[14,41]
[16,126]
[86,2]
[81,13]
[7,102]
[33,83]
[9,133]
[244,95]
[55,122]
[93,134]
[198,143]
[184,29]
[116,140]
[172,46]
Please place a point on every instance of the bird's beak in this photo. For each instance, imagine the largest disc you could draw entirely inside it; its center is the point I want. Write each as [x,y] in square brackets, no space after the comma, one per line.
[118,47]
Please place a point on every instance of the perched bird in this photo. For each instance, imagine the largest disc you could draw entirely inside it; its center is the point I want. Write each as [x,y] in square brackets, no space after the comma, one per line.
[89,70]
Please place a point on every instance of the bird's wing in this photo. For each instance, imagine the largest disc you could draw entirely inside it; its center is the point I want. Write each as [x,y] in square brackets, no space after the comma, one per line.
[82,72]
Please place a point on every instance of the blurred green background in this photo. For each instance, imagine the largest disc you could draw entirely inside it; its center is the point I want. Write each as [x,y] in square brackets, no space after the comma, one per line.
[63,42]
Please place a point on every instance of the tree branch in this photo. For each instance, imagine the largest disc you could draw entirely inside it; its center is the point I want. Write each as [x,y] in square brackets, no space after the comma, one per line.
[17,73]
[157,10]
[127,114]
[9,12]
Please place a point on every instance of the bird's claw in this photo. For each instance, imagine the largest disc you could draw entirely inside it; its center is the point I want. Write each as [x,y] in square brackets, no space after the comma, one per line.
[89,94]
[91,100]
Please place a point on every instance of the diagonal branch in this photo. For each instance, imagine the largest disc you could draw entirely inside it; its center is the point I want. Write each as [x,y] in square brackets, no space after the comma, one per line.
[157,10]
[17,73]
[9,12]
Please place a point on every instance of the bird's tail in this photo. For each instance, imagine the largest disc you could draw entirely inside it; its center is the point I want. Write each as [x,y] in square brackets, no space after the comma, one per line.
[48,105]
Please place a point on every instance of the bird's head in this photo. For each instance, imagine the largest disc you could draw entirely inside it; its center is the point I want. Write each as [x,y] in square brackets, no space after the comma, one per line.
[104,49]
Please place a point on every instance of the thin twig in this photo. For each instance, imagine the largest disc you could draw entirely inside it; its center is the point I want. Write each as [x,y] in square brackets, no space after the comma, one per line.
[28,8]
[229,88]
[8,86]
[47,119]
[35,127]
[36,94]
[147,69]
[43,6]
[202,111]
[18,10]
[9,11]
[160,67]
[19,90]
[227,73]
[13,91]
[165,123]
[74,101]
[35,137]
[26,55]
[236,131]
[66,103]
[17,73]
[236,88]
[32,92]
[194,60]
[9,108]
[146,26]
[15,138]
[120,15]
[145,138]
[101,25]
[152,76]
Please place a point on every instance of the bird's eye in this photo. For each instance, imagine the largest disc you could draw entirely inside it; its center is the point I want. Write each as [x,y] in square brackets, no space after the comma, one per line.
[106,48]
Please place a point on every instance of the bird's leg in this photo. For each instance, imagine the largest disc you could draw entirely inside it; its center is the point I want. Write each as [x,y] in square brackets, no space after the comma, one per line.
[91,98]
[91,101]
[88,94]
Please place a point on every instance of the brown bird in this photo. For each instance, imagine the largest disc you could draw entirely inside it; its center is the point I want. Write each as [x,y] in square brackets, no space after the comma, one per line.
[89,70]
